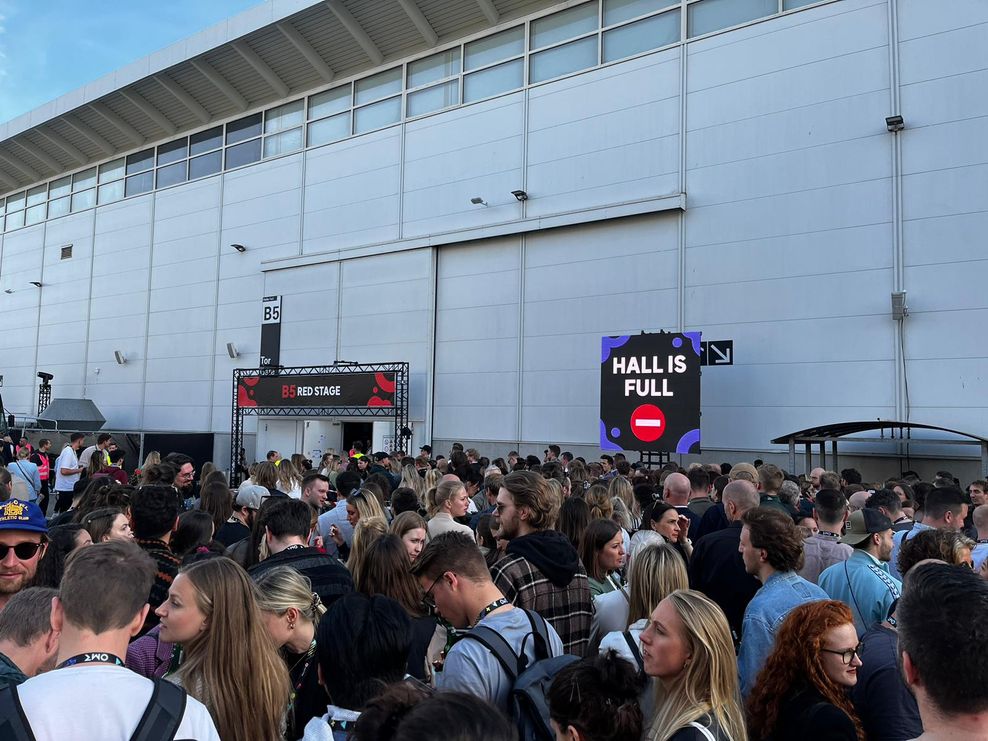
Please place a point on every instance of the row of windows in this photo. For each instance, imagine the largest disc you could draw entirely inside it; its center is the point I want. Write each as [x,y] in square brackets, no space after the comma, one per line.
[575,39]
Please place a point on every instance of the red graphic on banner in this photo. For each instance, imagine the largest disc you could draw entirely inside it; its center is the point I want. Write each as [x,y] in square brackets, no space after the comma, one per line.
[648,423]
[245,391]
[385,383]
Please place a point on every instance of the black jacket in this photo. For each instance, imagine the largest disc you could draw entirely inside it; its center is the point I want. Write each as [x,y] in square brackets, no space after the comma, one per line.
[716,569]
[806,716]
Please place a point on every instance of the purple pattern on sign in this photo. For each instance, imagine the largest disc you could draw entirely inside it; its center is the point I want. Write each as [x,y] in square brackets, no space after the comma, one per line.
[605,442]
[615,432]
[677,342]
[687,441]
[695,339]
[610,343]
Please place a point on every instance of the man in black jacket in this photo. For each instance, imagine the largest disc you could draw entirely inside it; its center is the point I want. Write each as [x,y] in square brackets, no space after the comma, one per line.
[716,568]
[286,532]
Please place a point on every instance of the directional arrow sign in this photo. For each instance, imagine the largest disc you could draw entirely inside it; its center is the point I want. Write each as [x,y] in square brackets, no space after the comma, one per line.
[717,352]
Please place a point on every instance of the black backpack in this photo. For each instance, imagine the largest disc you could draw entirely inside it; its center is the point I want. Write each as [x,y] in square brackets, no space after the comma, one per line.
[527,702]
[160,721]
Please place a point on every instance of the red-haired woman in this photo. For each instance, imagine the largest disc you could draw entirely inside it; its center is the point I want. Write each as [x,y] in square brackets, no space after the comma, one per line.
[801,692]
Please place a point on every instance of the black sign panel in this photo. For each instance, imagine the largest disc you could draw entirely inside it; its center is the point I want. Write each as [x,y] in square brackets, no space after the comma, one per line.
[270,331]
[717,352]
[650,393]
[327,390]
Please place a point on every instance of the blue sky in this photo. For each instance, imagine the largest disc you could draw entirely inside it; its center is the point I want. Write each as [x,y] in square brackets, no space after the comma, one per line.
[49,47]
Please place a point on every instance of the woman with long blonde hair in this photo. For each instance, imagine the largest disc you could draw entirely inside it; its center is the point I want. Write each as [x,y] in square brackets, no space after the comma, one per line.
[444,504]
[410,478]
[432,477]
[687,648]
[291,612]
[367,530]
[289,479]
[621,488]
[229,663]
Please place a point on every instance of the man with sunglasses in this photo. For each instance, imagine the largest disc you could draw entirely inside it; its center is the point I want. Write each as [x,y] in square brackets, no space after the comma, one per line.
[23,539]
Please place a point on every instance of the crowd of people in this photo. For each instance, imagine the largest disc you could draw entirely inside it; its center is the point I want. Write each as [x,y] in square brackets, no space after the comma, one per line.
[389,597]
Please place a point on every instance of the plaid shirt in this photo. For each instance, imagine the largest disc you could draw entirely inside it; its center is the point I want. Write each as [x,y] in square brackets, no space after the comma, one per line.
[167,568]
[568,609]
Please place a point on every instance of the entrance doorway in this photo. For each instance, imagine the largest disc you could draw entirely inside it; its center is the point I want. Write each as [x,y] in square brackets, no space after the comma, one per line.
[362,431]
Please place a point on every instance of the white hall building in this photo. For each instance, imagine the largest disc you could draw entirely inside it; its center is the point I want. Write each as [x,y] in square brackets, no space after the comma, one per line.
[484,188]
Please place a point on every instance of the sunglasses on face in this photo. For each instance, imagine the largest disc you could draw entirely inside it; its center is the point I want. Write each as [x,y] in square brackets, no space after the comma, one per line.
[23,551]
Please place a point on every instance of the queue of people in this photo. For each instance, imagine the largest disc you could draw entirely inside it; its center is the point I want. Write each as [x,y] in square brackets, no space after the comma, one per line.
[391,597]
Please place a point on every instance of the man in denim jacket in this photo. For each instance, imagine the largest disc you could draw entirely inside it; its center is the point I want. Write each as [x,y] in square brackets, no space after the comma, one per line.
[772,550]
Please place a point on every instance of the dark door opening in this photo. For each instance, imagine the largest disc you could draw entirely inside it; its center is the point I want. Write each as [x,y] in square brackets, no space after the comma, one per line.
[354,431]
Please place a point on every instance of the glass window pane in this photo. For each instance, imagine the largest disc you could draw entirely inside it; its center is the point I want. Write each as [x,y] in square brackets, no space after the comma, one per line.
[16,201]
[173,151]
[172,174]
[494,48]
[35,214]
[565,25]
[3,207]
[15,220]
[284,117]
[376,115]
[245,128]
[206,140]
[648,33]
[83,180]
[140,161]
[493,81]
[329,102]
[58,207]
[243,154]
[111,170]
[207,164]
[329,129]
[141,183]
[562,60]
[58,188]
[790,4]
[438,66]
[36,195]
[84,199]
[434,98]
[110,192]
[618,11]
[378,86]
[287,141]
[713,15]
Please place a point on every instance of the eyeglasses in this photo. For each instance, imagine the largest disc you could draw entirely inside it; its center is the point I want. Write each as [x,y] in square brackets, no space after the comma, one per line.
[23,551]
[427,598]
[847,655]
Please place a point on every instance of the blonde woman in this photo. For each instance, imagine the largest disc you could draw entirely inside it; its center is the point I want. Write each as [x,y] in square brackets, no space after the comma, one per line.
[621,488]
[687,649]
[359,505]
[432,477]
[446,502]
[366,532]
[291,611]
[229,662]
[413,530]
[410,478]
[289,479]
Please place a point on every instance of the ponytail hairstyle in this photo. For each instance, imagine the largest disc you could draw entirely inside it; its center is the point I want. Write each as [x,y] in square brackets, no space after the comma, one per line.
[444,492]
[599,696]
[282,588]
[601,504]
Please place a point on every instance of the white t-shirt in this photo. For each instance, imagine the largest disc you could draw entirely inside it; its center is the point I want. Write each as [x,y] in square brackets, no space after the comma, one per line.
[470,667]
[99,701]
[66,459]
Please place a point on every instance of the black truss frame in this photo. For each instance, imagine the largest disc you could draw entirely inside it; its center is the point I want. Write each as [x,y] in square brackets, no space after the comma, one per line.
[399,412]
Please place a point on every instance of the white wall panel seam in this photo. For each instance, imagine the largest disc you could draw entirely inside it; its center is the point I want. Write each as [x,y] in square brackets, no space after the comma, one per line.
[216,301]
[37,335]
[147,322]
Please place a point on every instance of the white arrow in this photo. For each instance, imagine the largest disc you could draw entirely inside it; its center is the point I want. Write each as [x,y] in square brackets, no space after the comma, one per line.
[725,357]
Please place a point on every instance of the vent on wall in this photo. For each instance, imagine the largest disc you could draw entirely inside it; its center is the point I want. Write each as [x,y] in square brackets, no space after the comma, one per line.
[67,252]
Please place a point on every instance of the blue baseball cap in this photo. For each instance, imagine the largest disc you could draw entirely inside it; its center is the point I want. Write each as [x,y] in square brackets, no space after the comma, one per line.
[18,515]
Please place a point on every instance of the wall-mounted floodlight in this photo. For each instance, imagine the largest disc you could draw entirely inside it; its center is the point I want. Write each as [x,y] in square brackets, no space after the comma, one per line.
[894,123]
[8,290]
[899,309]
[239,248]
[520,195]
[35,283]
[232,351]
[119,357]
[478,201]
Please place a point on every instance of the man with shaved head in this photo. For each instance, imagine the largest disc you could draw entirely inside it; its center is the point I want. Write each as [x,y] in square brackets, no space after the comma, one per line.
[676,491]
[716,568]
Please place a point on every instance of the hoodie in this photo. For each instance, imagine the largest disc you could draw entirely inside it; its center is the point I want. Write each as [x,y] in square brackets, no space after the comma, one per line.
[550,552]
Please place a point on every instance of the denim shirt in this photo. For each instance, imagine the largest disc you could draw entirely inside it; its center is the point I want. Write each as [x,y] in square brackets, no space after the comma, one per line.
[766,611]
[857,584]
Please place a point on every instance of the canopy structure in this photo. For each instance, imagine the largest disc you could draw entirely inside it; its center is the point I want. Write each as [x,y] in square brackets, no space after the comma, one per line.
[896,434]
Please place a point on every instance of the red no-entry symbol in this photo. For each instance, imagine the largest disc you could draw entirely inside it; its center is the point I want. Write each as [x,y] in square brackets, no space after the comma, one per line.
[648,423]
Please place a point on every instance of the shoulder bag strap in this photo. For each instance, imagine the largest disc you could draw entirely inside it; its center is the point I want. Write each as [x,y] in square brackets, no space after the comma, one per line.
[495,643]
[29,481]
[540,634]
[704,731]
[163,714]
[13,721]
[633,645]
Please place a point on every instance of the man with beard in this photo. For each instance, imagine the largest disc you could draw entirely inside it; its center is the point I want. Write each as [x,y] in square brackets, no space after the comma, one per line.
[540,570]
[186,472]
[863,581]
[23,540]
